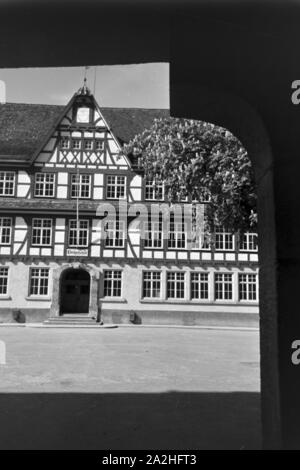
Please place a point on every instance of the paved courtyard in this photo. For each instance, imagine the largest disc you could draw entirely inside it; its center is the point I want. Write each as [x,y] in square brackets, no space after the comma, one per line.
[129,388]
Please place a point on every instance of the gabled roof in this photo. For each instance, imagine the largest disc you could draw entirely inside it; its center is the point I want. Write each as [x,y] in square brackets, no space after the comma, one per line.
[24,127]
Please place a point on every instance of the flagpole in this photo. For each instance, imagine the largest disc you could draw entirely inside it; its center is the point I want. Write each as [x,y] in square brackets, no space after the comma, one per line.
[77,209]
[95,79]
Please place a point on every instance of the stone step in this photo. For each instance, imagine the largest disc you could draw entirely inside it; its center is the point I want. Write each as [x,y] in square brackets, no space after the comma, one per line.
[71,319]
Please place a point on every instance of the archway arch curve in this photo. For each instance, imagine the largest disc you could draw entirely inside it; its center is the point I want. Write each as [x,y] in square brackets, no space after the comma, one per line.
[230,111]
[58,275]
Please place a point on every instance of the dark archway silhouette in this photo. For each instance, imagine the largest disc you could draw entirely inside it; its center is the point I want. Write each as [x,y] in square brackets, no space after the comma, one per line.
[75,291]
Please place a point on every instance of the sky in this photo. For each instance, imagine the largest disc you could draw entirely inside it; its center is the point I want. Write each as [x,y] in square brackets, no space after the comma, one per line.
[132,86]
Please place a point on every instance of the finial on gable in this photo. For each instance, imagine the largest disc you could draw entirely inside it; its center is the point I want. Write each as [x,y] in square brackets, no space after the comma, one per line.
[84,90]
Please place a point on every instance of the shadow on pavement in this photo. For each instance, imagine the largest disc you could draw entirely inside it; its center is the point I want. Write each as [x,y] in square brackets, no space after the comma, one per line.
[173,420]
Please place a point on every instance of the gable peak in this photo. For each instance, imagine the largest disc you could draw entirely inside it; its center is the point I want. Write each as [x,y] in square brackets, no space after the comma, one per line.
[84,90]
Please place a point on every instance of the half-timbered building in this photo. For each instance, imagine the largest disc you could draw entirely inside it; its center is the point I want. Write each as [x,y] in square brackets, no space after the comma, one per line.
[57,164]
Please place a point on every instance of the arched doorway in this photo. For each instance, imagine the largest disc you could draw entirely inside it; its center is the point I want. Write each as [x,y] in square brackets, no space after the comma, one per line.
[75,291]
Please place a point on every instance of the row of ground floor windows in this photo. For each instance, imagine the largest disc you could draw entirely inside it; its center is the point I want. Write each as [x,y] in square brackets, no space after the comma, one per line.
[174,284]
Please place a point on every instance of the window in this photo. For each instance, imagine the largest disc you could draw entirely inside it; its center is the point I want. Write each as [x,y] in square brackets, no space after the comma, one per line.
[223,286]
[81,186]
[115,188]
[115,233]
[41,232]
[39,281]
[99,145]
[151,284]
[248,242]
[248,287]
[44,185]
[176,235]
[5,230]
[64,143]
[175,285]
[199,285]
[224,240]
[153,235]
[154,190]
[3,280]
[88,144]
[76,144]
[112,283]
[7,183]
[78,236]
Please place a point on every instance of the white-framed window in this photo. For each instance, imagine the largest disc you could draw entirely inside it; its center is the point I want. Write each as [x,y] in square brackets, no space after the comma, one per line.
[248,287]
[64,143]
[78,233]
[5,230]
[224,240]
[115,187]
[176,235]
[99,145]
[151,284]
[81,186]
[41,232]
[223,286]
[7,183]
[112,283]
[154,190]
[76,144]
[175,285]
[248,242]
[199,286]
[39,281]
[3,280]
[153,235]
[44,185]
[115,233]
[88,144]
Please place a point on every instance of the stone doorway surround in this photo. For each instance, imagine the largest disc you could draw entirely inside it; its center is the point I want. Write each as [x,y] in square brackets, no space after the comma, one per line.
[94,285]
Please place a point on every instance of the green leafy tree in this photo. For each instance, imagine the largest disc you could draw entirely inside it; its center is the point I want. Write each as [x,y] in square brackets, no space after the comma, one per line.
[203,162]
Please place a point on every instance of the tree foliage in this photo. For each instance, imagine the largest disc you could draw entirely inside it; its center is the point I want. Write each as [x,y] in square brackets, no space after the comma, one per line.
[199,160]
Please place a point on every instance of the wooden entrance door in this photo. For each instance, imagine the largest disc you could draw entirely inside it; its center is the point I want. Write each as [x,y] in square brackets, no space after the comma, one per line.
[75,291]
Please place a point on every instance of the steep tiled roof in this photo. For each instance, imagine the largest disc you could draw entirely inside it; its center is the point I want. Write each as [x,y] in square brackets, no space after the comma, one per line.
[23,127]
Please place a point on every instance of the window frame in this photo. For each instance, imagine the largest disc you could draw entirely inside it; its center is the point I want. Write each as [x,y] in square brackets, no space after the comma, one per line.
[44,183]
[248,242]
[74,183]
[155,229]
[176,281]
[115,186]
[2,277]
[115,229]
[200,282]
[223,299]
[221,232]
[42,229]
[39,284]
[152,183]
[10,231]
[152,281]
[177,240]
[5,173]
[87,229]
[113,281]
[247,285]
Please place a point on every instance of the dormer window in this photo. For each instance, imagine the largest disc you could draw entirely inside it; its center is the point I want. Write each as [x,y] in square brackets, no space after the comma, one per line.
[99,145]
[88,144]
[76,144]
[65,143]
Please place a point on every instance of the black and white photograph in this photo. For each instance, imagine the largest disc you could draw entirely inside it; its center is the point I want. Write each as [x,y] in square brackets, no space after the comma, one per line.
[149,260]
